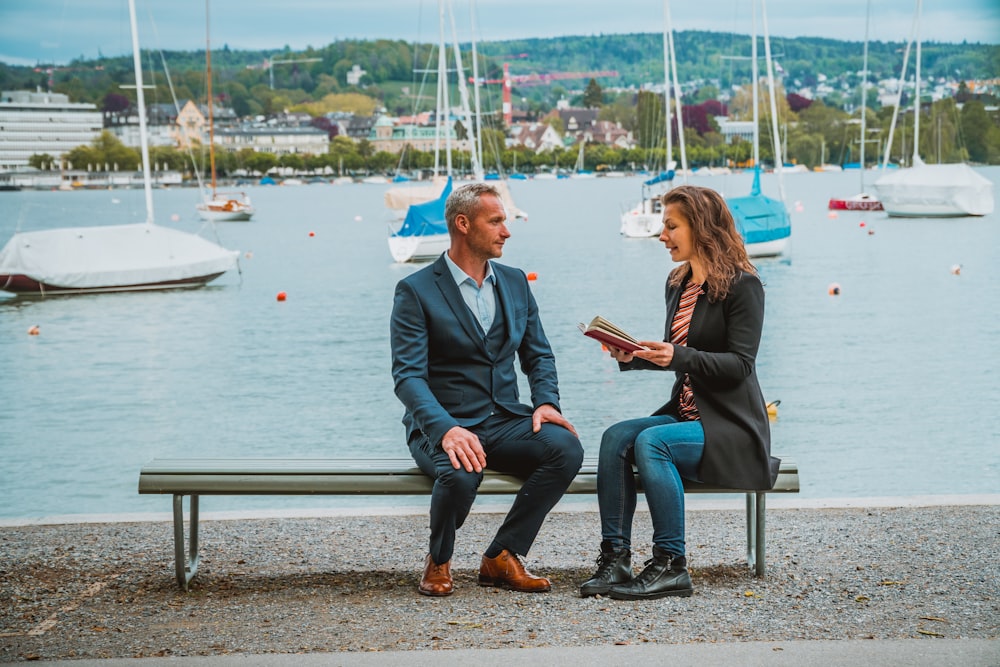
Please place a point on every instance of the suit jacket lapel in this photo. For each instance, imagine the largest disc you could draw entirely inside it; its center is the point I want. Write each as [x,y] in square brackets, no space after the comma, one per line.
[505,301]
[453,297]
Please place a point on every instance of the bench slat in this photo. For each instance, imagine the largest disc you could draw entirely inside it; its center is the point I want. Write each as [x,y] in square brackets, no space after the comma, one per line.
[355,477]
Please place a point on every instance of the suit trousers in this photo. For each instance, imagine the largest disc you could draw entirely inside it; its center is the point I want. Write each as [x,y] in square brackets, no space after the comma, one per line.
[547,460]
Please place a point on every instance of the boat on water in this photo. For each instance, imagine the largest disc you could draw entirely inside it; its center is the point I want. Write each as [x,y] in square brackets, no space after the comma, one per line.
[423,235]
[113,258]
[645,218]
[931,190]
[862,201]
[858,202]
[763,222]
[219,206]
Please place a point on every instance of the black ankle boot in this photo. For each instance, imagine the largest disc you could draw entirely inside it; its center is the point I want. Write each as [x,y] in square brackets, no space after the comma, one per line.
[613,567]
[665,574]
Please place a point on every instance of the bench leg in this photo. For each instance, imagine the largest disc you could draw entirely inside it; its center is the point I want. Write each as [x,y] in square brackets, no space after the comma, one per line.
[761,526]
[755,532]
[185,567]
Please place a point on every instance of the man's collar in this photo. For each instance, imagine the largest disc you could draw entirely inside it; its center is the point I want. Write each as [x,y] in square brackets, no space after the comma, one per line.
[461,276]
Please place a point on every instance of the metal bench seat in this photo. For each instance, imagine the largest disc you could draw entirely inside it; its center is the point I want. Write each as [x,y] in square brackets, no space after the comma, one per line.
[196,477]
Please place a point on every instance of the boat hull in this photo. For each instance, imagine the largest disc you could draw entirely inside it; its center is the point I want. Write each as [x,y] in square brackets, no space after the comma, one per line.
[855,205]
[418,248]
[935,191]
[23,285]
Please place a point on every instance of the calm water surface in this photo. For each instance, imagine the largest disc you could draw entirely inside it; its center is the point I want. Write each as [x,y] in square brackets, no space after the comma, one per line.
[890,388]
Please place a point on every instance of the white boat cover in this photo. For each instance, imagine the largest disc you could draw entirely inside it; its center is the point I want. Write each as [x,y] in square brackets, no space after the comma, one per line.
[401,198]
[113,256]
[935,190]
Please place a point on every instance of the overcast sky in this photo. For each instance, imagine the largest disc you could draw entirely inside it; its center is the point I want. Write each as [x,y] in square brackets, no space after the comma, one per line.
[56,31]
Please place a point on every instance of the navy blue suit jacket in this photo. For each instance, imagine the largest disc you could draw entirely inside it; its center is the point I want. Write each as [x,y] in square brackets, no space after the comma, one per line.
[443,373]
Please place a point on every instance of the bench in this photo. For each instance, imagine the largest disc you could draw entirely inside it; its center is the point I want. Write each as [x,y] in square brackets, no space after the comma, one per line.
[372,477]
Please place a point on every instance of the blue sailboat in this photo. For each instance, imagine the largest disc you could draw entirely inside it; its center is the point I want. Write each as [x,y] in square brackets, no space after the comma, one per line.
[423,235]
[763,222]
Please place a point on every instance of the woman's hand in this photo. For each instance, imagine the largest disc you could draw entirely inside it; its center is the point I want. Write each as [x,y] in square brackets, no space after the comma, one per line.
[619,354]
[659,353]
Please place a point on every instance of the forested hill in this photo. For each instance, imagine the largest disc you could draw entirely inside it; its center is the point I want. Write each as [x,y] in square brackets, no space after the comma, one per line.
[389,64]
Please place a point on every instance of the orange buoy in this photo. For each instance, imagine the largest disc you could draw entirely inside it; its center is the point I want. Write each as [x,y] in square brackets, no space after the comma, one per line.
[312,233]
[833,289]
[832,215]
[34,330]
[282,296]
[532,276]
[861,224]
[249,255]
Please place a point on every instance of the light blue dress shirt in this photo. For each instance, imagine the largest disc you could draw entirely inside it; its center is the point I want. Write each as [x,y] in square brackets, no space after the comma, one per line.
[482,301]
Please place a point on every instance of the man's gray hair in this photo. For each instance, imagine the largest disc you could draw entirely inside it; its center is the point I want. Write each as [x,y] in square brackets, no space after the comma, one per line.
[465,201]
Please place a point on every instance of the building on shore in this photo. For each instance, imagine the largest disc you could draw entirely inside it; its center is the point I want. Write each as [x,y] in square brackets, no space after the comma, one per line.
[41,123]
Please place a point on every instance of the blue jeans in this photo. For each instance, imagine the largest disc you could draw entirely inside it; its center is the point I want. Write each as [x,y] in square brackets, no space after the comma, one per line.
[664,450]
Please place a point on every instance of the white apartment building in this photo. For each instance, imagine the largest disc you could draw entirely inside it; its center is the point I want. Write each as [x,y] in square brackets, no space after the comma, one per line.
[43,123]
[277,140]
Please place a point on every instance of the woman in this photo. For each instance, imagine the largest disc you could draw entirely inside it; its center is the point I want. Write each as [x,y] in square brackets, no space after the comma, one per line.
[714,428]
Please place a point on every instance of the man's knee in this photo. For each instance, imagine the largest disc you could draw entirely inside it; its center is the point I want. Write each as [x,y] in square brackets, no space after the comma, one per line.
[459,481]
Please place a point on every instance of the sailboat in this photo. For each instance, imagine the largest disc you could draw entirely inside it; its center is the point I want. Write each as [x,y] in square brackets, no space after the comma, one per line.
[424,235]
[220,206]
[116,258]
[932,190]
[763,222]
[578,169]
[862,201]
[645,219]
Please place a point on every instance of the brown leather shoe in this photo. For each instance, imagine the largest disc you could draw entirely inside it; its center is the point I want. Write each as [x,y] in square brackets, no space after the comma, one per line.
[506,571]
[436,581]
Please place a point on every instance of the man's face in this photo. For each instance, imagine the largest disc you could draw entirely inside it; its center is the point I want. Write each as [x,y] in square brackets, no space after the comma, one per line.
[488,229]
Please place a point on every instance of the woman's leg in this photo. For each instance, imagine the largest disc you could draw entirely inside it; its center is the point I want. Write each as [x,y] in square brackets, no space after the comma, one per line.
[616,492]
[664,455]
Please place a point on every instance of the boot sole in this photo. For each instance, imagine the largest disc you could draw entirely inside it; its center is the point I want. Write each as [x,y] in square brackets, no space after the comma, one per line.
[682,593]
[503,583]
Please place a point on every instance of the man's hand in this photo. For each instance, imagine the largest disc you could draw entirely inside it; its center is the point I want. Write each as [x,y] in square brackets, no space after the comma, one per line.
[548,413]
[464,449]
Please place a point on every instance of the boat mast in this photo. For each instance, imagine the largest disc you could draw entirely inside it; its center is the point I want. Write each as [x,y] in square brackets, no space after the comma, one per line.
[669,37]
[141,102]
[899,96]
[779,165]
[916,95]
[475,83]
[864,92]
[666,84]
[208,86]
[463,91]
[755,82]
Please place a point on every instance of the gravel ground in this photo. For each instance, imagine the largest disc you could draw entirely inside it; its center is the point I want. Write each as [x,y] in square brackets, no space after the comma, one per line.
[349,584]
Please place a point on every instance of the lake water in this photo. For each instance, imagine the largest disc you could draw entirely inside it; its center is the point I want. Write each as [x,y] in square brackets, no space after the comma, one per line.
[890,388]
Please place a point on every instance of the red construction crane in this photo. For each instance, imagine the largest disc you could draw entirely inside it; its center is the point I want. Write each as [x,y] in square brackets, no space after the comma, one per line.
[533,79]
[52,70]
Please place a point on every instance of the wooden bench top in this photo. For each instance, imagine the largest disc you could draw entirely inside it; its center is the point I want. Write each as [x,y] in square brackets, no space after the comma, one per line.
[355,476]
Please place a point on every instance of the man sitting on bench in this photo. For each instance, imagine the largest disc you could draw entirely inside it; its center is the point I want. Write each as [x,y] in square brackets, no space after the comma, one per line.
[455,329]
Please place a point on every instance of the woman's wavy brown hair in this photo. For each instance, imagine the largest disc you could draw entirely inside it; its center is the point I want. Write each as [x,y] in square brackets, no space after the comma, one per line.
[716,242]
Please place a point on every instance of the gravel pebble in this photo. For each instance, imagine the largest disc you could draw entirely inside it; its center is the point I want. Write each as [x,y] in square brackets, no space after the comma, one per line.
[349,584]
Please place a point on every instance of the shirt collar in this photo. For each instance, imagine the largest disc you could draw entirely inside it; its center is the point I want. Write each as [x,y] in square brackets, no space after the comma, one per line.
[460,276]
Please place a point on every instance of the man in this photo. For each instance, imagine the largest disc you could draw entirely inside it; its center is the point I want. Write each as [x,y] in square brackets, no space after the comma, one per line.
[456,327]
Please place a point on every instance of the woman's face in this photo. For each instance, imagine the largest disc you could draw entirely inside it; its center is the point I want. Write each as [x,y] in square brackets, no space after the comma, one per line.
[676,235]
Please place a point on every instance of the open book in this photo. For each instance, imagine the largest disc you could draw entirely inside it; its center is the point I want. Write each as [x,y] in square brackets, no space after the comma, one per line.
[606,332]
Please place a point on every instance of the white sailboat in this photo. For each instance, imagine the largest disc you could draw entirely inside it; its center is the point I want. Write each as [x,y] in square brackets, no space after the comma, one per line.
[931,190]
[219,206]
[423,236]
[645,219]
[140,256]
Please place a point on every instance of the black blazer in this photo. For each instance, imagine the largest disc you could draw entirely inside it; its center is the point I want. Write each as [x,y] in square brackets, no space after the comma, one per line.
[720,357]
[443,373]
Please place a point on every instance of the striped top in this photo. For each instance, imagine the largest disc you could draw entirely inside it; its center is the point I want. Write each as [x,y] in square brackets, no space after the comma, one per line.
[678,336]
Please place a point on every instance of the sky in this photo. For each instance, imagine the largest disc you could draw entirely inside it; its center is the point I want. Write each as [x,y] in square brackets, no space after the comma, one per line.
[56,31]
